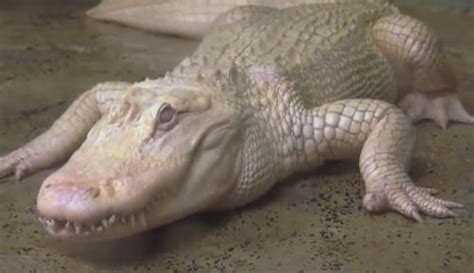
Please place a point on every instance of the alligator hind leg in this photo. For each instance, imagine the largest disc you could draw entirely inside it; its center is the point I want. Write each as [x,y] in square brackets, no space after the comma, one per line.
[420,66]
[64,136]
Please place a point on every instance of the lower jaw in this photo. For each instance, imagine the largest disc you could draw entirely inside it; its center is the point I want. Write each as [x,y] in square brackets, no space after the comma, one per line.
[116,233]
[65,235]
[89,232]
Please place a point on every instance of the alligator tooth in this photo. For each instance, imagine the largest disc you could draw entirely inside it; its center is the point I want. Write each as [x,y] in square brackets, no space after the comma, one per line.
[41,220]
[50,223]
[132,220]
[142,219]
[44,222]
[78,228]
[68,225]
[112,219]
[91,227]
[100,228]
[105,223]
[123,219]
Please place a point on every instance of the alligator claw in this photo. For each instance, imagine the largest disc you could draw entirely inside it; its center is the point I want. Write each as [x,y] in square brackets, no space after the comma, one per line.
[13,165]
[441,108]
[410,200]
[7,167]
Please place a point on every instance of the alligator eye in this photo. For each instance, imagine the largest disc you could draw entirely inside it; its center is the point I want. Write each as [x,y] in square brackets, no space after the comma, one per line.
[167,117]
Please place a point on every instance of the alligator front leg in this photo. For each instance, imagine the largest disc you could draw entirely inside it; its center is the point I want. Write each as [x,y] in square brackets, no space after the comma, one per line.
[387,139]
[384,161]
[61,139]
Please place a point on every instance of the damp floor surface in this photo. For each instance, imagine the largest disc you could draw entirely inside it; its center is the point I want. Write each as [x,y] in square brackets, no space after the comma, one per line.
[49,54]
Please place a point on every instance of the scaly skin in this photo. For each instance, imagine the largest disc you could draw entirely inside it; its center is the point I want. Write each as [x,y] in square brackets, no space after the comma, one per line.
[268,93]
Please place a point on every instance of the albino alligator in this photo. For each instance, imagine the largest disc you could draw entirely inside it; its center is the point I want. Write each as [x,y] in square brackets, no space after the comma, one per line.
[269,92]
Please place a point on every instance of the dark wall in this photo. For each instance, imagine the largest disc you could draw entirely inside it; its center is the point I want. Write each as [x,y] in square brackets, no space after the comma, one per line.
[466,5]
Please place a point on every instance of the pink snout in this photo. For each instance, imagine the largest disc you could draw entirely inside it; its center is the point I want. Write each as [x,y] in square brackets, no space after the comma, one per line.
[68,201]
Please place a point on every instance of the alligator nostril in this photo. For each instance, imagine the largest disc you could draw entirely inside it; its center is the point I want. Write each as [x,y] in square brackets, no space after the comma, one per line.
[48,186]
[93,192]
[107,185]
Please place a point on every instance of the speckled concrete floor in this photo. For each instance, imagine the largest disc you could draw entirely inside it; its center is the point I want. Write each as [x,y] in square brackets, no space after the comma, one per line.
[49,54]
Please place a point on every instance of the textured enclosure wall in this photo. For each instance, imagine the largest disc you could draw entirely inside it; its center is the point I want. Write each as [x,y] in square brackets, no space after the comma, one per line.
[463,5]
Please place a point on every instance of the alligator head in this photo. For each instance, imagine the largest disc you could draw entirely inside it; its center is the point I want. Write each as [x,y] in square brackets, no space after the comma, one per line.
[159,153]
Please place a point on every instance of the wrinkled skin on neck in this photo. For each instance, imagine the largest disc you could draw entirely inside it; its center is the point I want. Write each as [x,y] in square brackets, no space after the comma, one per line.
[157,154]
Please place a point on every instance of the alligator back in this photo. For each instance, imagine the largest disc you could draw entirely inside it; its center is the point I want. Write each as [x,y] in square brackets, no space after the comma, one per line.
[323,49]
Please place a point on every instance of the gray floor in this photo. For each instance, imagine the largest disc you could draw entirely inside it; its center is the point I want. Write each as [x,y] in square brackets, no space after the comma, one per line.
[49,54]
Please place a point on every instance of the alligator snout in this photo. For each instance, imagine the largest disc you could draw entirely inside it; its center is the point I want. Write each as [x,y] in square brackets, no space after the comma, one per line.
[74,199]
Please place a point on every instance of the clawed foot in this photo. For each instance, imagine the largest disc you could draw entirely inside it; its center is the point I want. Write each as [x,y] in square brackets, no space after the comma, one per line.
[7,167]
[440,107]
[409,200]
[12,165]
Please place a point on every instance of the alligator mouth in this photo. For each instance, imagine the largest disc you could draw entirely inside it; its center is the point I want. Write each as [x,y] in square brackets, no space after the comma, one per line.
[67,228]
[64,228]
[120,219]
